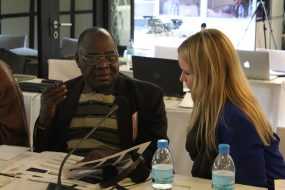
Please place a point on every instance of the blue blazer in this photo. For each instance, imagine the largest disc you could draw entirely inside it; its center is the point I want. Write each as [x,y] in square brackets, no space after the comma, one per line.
[255,163]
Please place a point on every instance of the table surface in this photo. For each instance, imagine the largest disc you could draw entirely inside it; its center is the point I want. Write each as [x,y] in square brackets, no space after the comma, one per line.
[9,183]
[187,182]
[180,183]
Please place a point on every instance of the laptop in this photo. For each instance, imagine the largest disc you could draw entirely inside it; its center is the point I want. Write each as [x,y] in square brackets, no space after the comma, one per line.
[163,72]
[277,60]
[256,64]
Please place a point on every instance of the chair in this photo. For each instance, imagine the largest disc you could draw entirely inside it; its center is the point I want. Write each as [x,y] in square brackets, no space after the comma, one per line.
[11,42]
[16,62]
[68,47]
[281,134]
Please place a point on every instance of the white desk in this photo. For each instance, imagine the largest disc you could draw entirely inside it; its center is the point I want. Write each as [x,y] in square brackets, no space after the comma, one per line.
[177,119]
[32,103]
[185,182]
[180,183]
[271,96]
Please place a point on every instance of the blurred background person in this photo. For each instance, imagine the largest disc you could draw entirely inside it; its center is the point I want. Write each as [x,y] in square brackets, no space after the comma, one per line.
[203,26]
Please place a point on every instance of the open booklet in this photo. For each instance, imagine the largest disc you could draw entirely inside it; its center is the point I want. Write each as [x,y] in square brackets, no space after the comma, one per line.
[95,170]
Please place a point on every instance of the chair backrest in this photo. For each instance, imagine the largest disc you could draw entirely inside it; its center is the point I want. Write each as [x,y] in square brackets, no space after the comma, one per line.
[11,42]
[16,62]
[281,134]
[62,69]
[68,47]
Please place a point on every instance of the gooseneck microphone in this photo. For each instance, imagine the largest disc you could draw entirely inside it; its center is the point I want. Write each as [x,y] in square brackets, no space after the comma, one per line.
[58,185]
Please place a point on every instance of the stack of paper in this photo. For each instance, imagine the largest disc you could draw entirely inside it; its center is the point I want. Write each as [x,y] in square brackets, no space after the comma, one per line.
[94,169]
[10,152]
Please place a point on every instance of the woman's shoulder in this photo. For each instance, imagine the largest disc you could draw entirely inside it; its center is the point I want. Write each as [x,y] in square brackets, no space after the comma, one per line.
[232,114]
[234,124]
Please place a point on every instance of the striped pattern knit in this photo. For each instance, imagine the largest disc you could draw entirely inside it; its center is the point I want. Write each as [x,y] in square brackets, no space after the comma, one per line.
[91,109]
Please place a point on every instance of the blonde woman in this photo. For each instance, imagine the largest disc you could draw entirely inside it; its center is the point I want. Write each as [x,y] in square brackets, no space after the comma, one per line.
[226,111]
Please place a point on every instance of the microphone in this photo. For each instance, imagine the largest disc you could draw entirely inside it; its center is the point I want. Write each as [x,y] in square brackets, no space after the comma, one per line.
[58,185]
[111,181]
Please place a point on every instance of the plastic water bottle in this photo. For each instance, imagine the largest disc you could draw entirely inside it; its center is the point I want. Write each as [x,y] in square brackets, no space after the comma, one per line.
[162,166]
[128,53]
[223,171]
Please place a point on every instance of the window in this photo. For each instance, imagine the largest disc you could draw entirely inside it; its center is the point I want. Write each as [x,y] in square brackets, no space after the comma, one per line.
[171,21]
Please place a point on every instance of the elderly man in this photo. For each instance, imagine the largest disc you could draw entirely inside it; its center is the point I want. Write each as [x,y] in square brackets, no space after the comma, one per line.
[69,111]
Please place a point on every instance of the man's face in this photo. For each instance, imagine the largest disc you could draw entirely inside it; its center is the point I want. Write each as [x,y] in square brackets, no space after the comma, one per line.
[98,61]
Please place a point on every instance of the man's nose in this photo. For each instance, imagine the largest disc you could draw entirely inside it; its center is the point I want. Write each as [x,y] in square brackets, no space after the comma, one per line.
[103,64]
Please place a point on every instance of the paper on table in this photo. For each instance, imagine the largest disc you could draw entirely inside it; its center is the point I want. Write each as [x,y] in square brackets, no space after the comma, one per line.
[279,184]
[187,101]
[10,152]
[120,160]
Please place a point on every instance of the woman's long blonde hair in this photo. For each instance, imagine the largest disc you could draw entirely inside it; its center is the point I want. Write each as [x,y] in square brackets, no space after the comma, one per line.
[217,77]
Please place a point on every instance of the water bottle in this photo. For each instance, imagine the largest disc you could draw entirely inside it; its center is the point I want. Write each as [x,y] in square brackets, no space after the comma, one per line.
[128,53]
[162,166]
[223,170]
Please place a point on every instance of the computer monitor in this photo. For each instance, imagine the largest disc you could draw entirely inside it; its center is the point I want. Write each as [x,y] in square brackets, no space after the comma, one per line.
[256,64]
[162,72]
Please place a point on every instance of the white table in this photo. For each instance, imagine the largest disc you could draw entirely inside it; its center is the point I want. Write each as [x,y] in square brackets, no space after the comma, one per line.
[32,102]
[178,121]
[271,96]
[186,182]
[180,183]
[8,183]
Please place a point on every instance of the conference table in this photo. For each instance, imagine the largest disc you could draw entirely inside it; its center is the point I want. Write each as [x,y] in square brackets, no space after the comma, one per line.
[15,161]
[180,183]
[32,103]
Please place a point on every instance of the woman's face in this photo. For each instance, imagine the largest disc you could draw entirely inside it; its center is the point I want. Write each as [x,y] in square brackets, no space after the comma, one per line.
[186,75]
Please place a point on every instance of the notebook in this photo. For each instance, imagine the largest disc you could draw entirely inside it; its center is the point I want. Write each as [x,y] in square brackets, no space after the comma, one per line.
[256,64]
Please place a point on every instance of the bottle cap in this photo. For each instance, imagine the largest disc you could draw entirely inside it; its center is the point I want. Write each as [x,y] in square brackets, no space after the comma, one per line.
[224,148]
[162,143]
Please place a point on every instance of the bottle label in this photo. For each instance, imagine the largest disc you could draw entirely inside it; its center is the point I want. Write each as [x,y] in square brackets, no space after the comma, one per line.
[223,180]
[162,174]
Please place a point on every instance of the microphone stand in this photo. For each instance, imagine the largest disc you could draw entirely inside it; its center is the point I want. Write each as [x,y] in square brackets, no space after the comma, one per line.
[261,3]
[247,27]
[269,24]
[58,185]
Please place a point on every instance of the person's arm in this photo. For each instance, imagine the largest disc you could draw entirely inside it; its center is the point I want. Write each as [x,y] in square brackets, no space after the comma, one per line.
[246,150]
[43,130]
[13,125]
[152,125]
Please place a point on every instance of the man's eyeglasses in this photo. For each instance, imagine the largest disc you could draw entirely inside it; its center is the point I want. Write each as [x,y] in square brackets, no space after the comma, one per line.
[94,59]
